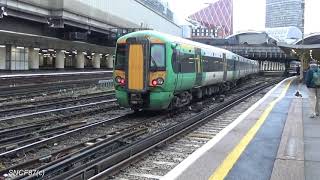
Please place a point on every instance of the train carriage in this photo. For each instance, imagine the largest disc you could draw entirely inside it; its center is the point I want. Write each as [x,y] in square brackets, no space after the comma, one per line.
[155,71]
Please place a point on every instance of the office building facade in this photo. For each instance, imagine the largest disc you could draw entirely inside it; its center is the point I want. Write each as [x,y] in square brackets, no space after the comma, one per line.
[216,19]
[285,13]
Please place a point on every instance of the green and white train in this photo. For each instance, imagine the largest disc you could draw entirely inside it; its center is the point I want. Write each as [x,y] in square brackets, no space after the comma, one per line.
[156,71]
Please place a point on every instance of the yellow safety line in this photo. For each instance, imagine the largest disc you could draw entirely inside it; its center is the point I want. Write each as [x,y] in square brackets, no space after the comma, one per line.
[222,171]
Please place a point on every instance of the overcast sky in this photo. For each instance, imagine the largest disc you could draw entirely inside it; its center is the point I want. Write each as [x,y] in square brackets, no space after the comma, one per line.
[248,14]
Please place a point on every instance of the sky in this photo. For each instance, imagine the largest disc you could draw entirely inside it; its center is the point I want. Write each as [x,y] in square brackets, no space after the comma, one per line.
[246,18]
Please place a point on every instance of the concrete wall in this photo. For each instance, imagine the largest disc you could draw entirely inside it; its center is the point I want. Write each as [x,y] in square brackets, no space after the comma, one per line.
[101,13]
[124,13]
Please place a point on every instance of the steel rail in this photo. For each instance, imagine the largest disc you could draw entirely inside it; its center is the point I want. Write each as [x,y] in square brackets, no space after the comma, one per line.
[30,146]
[56,110]
[57,103]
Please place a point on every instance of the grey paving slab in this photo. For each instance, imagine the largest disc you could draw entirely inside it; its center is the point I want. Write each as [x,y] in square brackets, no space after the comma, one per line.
[312,130]
[312,170]
[288,170]
[292,146]
[312,149]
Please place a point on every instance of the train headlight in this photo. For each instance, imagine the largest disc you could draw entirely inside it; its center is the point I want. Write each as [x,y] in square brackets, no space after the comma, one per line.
[160,81]
[118,79]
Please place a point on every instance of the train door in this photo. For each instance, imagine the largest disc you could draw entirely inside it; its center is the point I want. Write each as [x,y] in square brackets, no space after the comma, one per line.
[198,67]
[234,72]
[177,68]
[224,60]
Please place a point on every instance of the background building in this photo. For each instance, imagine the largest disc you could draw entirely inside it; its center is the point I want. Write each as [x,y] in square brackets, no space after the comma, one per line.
[216,20]
[283,13]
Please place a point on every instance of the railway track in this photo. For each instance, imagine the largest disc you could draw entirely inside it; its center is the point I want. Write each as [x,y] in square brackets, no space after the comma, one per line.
[8,94]
[148,136]
[24,107]
[114,163]
[123,127]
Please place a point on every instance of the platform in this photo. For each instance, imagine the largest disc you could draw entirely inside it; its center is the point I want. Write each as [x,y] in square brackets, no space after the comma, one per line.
[274,139]
[41,73]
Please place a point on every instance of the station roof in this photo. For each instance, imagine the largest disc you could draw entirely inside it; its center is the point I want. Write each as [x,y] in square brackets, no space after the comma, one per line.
[313,49]
[288,34]
[267,36]
[243,33]
[44,42]
[313,38]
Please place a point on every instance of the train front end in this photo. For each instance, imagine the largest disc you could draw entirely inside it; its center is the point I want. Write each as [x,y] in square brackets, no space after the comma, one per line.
[140,74]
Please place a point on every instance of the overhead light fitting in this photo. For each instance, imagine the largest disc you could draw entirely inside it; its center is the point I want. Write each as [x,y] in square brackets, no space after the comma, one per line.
[20,47]
[2,46]
[3,12]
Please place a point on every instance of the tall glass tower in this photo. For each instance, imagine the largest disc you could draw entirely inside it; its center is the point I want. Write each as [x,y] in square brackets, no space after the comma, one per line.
[283,13]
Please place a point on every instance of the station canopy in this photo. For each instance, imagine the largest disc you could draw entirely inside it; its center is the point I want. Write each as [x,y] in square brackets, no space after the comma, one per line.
[310,44]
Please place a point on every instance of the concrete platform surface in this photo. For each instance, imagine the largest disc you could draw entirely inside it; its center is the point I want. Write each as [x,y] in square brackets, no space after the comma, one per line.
[274,139]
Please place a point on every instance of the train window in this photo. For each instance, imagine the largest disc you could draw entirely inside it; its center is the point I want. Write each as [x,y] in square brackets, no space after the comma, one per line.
[157,56]
[212,64]
[187,63]
[121,56]
[218,64]
[205,64]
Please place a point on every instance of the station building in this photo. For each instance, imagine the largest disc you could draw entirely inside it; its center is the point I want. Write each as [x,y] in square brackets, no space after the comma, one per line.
[73,33]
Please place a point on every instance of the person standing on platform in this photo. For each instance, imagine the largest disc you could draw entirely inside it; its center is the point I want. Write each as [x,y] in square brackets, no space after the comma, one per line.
[313,84]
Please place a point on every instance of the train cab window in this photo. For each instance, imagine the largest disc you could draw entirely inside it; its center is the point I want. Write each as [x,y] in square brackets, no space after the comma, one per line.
[157,57]
[121,56]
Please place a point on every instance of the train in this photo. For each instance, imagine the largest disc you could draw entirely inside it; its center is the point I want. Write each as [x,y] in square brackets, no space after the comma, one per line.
[157,71]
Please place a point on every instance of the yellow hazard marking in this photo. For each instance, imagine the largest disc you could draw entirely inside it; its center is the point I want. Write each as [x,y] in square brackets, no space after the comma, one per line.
[222,171]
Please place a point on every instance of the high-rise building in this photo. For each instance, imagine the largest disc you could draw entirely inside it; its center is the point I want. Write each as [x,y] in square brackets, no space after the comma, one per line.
[284,13]
[217,19]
